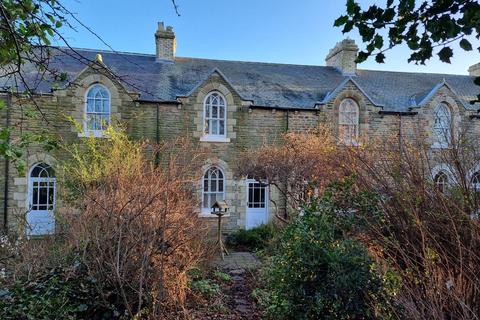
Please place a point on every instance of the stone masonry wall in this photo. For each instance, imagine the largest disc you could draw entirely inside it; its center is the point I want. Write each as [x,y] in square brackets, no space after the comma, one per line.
[247,127]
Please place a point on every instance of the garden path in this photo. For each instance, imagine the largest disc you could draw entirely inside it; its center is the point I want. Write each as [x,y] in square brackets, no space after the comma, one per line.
[238,260]
[241,266]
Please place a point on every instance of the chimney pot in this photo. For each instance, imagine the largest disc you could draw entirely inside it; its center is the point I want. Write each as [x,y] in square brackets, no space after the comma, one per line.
[161,26]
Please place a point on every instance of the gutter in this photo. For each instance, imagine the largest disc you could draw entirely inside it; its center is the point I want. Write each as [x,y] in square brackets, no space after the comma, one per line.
[281,108]
[156,101]
[398,113]
[7,169]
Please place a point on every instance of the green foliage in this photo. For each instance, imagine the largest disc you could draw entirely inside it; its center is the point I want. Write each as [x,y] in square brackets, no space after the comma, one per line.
[26,30]
[318,271]
[260,295]
[222,276]
[422,26]
[57,294]
[91,160]
[254,239]
[13,149]
[205,287]
[195,274]
[25,24]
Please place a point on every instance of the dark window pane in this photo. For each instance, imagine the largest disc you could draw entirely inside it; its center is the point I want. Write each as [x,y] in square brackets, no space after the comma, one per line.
[256,195]
[222,127]
[35,196]
[43,196]
[51,196]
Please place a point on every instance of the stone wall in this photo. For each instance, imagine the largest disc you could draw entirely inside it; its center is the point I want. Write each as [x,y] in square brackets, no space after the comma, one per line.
[247,127]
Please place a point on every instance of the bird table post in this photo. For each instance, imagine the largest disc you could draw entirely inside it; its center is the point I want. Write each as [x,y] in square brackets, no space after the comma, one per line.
[220,209]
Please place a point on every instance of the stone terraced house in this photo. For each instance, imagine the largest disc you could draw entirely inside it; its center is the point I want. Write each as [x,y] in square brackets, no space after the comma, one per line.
[225,106]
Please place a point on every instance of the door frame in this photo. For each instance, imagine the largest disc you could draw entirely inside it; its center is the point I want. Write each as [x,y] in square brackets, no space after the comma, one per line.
[267,200]
[30,181]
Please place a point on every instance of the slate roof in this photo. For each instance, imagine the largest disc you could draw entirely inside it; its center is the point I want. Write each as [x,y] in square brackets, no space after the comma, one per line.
[266,84]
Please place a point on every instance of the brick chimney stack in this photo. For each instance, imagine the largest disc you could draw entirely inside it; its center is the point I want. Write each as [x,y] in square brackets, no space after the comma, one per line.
[343,57]
[474,70]
[165,43]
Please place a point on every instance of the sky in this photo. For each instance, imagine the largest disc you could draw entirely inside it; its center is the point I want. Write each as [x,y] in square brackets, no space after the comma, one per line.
[279,31]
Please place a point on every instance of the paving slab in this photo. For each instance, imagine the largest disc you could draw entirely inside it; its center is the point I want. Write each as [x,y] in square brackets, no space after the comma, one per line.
[237,262]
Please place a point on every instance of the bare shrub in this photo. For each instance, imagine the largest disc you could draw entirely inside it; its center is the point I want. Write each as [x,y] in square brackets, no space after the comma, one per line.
[135,225]
[425,238]
[22,258]
[300,166]
[429,235]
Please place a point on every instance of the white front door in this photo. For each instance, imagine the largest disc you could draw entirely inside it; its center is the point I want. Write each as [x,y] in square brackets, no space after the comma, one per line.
[41,201]
[257,204]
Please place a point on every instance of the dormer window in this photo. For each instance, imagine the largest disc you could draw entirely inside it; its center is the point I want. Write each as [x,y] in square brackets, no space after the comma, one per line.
[348,121]
[215,117]
[442,127]
[97,109]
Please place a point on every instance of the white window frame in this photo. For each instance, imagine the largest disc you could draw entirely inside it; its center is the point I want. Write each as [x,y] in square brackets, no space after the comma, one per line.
[34,182]
[31,186]
[350,120]
[95,133]
[208,119]
[475,181]
[442,126]
[443,185]
[206,211]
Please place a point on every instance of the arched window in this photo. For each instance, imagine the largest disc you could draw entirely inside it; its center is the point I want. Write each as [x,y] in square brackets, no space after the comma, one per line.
[348,122]
[42,178]
[41,194]
[441,181]
[213,188]
[97,108]
[442,126]
[215,115]
[476,181]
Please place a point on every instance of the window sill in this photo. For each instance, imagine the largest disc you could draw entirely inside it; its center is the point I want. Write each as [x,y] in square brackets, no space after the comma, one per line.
[92,134]
[348,144]
[208,138]
[437,145]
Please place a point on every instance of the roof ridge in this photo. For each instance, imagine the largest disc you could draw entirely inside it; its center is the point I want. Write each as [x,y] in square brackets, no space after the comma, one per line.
[107,51]
[258,62]
[190,58]
[416,73]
